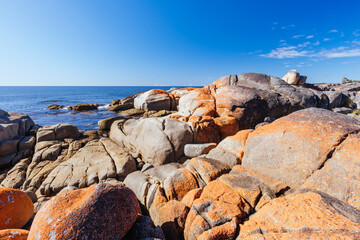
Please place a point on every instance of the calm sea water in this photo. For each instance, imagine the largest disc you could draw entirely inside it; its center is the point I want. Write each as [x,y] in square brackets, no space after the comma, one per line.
[34,101]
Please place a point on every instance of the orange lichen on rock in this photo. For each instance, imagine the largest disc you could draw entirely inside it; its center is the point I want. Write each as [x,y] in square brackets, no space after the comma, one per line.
[101,211]
[301,213]
[179,184]
[216,214]
[170,216]
[14,234]
[191,196]
[16,208]
[205,129]
[291,148]
[228,126]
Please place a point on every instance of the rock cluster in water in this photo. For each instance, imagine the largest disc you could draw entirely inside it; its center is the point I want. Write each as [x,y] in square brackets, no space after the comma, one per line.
[250,156]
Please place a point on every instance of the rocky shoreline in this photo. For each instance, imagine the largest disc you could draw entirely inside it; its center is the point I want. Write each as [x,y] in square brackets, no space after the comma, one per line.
[250,156]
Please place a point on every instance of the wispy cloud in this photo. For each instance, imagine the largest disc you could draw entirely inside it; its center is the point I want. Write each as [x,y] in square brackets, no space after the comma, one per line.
[310,36]
[340,52]
[294,52]
[286,52]
[305,44]
[298,36]
[317,43]
[326,39]
[356,33]
[333,31]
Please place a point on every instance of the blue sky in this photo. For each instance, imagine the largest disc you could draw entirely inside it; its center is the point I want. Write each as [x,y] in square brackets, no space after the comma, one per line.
[187,42]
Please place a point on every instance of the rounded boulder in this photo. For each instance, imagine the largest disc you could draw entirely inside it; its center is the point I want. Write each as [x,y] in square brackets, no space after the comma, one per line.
[102,211]
[16,208]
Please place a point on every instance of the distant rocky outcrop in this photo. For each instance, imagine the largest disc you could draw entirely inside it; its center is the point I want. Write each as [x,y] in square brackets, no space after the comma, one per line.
[84,107]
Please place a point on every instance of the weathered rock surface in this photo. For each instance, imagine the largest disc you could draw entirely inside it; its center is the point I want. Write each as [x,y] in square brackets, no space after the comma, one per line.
[195,150]
[231,149]
[98,161]
[102,211]
[15,144]
[157,141]
[14,234]
[216,214]
[16,208]
[57,132]
[154,100]
[340,175]
[123,104]
[197,102]
[105,124]
[301,215]
[292,148]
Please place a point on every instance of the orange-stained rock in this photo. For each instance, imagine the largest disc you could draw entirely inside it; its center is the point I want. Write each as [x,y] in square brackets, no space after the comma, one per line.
[189,198]
[306,234]
[303,212]
[291,148]
[179,184]
[231,149]
[14,234]
[102,211]
[198,102]
[340,176]
[205,129]
[170,216]
[206,170]
[216,213]
[251,186]
[228,126]
[16,208]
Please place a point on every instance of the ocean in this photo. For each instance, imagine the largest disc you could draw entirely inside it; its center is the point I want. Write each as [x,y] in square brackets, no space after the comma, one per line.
[34,101]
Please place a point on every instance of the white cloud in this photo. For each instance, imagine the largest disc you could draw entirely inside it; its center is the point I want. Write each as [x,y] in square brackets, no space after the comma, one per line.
[326,39]
[286,52]
[333,31]
[298,36]
[305,44]
[298,51]
[310,36]
[316,43]
[282,41]
[340,52]
[356,33]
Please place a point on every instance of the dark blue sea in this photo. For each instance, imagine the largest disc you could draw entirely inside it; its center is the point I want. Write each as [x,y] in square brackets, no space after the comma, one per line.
[34,101]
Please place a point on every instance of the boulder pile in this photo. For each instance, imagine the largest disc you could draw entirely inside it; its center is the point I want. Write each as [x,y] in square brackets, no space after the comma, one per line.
[250,156]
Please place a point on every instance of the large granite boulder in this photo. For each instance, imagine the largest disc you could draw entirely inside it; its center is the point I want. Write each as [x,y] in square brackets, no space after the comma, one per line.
[102,211]
[156,140]
[155,100]
[98,161]
[250,97]
[292,148]
[197,102]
